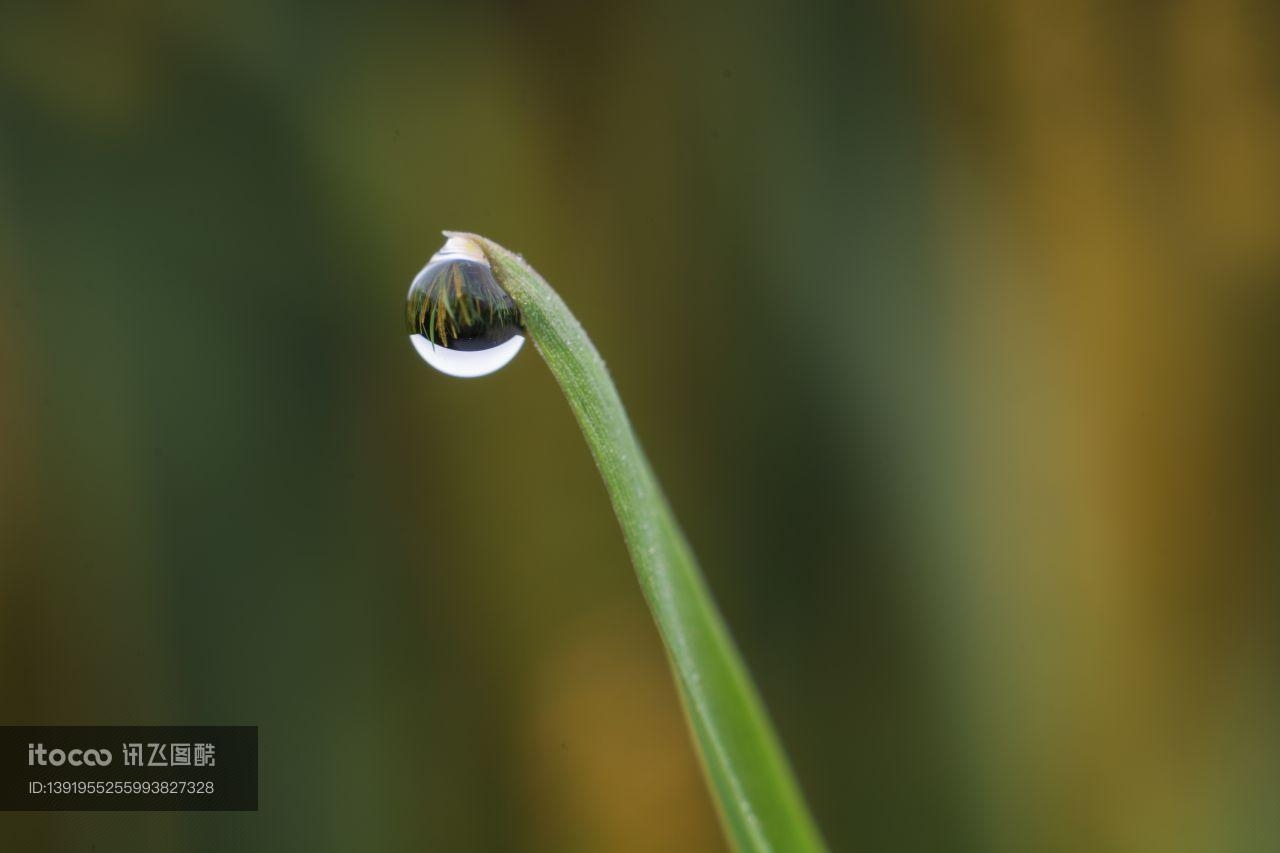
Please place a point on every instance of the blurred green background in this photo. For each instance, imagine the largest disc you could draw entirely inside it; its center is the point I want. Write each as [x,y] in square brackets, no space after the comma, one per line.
[953,331]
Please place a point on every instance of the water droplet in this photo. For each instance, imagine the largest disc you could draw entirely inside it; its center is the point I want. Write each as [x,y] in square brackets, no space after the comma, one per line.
[460,320]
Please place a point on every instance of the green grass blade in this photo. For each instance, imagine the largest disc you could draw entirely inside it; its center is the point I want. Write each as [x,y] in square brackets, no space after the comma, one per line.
[759,802]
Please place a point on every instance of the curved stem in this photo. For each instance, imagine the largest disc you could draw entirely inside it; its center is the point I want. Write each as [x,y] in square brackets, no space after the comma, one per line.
[759,803]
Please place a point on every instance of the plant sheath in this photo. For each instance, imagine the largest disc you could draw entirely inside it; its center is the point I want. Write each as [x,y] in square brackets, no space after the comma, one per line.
[756,794]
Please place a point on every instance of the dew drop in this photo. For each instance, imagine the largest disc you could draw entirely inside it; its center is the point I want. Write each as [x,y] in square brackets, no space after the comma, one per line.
[459,318]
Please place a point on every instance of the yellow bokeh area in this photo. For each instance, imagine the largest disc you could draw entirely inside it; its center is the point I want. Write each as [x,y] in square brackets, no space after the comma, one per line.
[952,331]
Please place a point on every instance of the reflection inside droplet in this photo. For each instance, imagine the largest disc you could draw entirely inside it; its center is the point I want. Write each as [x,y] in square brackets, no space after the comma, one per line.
[459,318]
[466,364]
